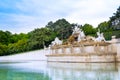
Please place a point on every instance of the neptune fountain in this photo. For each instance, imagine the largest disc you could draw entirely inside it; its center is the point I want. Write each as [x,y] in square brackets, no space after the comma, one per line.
[82,49]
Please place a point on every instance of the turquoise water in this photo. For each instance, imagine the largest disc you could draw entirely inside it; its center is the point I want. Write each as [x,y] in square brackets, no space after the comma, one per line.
[41,70]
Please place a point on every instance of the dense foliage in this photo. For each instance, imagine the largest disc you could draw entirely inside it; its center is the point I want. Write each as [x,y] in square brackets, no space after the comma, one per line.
[88,29]
[115,20]
[61,27]
[41,37]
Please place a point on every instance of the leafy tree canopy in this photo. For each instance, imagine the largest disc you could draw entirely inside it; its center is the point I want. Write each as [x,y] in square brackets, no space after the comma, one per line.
[88,29]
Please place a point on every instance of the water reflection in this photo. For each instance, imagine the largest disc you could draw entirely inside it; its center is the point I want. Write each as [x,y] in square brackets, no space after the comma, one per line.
[41,70]
[22,71]
[83,71]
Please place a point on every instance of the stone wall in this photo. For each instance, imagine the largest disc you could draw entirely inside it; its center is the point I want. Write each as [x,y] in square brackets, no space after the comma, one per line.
[85,49]
[92,58]
[118,52]
[110,53]
[116,47]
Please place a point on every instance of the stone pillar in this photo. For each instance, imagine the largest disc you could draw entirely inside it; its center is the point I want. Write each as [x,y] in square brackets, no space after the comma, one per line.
[114,44]
[63,50]
[79,49]
[114,47]
[97,48]
[106,49]
[82,49]
[56,51]
[118,49]
[52,52]
[118,52]
[71,49]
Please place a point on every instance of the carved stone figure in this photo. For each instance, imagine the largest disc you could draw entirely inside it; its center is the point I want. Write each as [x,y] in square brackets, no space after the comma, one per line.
[76,30]
[56,42]
[81,36]
[100,37]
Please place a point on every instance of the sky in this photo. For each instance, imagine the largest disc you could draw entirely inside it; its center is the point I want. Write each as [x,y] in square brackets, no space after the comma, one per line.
[22,16]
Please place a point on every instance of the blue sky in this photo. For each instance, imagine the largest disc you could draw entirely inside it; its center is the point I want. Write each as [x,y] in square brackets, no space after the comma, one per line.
[19,16]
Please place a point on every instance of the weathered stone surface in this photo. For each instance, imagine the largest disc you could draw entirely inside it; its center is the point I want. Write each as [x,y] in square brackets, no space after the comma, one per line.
[87,52]
[92,58]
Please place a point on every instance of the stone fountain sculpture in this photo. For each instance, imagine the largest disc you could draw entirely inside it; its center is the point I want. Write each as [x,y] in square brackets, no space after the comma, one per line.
[76,30]
[100,37]
[82,49]
[56,42]
[81,35]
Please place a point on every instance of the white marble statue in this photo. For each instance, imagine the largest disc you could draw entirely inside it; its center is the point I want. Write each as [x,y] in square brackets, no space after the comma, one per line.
[81,36]
[100,37]
[76,30]
[56,42]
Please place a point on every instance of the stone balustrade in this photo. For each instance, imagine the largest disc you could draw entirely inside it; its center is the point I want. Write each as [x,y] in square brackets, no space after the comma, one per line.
[84,52]
[95,48]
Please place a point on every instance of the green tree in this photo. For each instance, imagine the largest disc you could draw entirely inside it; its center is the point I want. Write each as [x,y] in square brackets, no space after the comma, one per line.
[104,26]
[19,46]
[5,37]
[61,27]
[3,49]
[41,37]
[115,20]
[88,29]
[16,37]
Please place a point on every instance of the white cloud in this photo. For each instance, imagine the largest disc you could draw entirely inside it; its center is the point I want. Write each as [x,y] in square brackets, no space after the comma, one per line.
[92,11]
[36,13]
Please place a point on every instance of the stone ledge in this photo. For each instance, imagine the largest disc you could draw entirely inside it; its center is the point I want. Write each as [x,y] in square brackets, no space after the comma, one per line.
[83,54]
